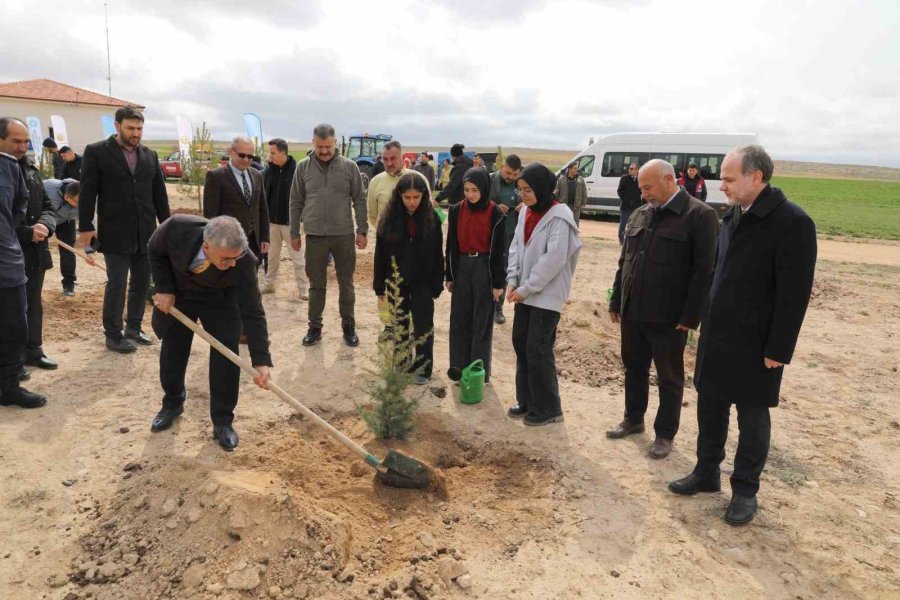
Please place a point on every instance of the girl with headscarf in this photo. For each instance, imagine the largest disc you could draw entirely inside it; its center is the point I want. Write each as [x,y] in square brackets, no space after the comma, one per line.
[475,272]
[409,232]
[542,259]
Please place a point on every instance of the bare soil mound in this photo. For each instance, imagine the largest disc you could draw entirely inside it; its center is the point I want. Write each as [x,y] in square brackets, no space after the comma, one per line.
[76,316]
[299,518]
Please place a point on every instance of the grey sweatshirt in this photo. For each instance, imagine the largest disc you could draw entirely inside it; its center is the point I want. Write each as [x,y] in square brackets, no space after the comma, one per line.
[542,271]
[65,212]
[322,196]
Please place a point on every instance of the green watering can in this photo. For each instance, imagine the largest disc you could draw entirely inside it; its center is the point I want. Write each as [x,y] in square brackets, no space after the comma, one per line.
[472,383]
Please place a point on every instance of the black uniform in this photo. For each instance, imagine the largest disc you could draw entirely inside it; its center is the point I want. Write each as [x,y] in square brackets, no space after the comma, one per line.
[222,300]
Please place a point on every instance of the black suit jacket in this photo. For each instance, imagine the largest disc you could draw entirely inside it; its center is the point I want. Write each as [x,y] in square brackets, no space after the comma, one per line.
[666,263]
[629,193]
[39,210]
[223,195]
[757,301]
[172,249]
[128,204]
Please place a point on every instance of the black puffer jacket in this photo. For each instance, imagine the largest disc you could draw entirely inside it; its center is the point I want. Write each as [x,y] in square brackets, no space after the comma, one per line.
[278,190]
[40,210]
[453,191]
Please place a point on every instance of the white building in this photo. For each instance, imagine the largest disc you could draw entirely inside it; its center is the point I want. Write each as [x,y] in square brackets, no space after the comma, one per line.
[82,110]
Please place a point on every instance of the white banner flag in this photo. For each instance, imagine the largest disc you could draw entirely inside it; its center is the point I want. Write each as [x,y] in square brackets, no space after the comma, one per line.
[185,135]
[59,130]
[37,139]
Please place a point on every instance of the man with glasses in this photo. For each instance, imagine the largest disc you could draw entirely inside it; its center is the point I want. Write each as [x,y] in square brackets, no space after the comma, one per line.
[121,179]
[629,196]
[204,269]
[237,190]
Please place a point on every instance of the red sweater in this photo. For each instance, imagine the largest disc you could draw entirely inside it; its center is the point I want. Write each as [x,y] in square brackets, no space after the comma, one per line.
[474,228]
[533,218]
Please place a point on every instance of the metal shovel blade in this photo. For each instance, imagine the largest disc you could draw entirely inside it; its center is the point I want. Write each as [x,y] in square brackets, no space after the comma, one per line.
[405,472]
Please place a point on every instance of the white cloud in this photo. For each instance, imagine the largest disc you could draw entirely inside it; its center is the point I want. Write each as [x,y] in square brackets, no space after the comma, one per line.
[816,80]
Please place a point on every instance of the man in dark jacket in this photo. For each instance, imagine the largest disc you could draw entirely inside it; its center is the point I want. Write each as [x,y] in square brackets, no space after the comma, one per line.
[425,169]
[765,263]
[121,179]
[629,196]
[693,183]
[236,190]
[72,168]
[205,270]
[505,195]
[453,191]
[13,304]
[58,162]
[664,273]
[279,176]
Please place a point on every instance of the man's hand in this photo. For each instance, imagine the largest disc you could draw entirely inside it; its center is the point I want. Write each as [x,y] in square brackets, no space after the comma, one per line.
[264,375]
[772,364]
[519,207]
[264,247]
[683,328]
[503,208]
[71,201]
[449,286]
[615,317]
[296,243]
[497,292]
[361,241]
[164,302]
[84,238]
[39,233]
[514,296]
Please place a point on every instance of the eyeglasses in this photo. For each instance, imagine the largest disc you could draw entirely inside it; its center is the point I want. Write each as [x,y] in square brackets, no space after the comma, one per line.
[242,155]
[234,259]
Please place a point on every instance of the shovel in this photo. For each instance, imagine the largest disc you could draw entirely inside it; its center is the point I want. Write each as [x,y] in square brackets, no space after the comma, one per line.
[396,470]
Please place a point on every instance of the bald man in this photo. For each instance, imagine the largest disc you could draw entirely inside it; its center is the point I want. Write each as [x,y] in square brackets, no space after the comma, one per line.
[664,273]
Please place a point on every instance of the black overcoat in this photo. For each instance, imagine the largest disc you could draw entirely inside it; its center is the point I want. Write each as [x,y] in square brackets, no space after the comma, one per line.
[128,204]
[757,300]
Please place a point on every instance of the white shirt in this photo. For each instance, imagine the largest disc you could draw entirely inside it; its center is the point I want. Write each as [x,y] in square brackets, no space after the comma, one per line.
[237,175]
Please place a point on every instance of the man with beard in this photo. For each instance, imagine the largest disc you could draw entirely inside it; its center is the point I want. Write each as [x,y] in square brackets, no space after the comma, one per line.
[506,196]
[122,181]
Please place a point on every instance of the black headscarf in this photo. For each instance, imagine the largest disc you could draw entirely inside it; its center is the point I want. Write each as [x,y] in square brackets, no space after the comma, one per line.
[542,180]
[479,176]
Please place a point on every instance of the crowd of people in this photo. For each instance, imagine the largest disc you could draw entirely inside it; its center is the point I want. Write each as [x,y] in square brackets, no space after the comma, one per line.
[512,236]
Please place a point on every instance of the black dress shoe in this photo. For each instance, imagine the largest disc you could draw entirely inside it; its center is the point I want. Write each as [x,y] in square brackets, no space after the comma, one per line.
[165,418]
[23,375]
[42,362]
[313,335]
[228,437]
[516,412]
[138,337]
[693,483]
[741,510]
[625,428]
[19,396]
[122,346]
[350,336]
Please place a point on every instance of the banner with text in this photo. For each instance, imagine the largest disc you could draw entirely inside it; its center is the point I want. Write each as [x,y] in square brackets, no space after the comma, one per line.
[185,135]
[59,130]
[36,136]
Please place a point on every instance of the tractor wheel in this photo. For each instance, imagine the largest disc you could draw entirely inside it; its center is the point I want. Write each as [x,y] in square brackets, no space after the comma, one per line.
[365,169]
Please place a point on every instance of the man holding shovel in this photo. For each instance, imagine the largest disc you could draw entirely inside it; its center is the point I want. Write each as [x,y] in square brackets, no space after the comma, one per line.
[204,268]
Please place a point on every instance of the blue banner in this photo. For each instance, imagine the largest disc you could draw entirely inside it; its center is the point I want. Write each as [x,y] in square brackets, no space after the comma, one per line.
[35,136]
[254,128]
[108,124]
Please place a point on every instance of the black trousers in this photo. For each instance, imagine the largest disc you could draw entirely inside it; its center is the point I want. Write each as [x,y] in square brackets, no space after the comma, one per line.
[117,268]
[533,337]
[33,348]
[417,303]
[755,428]
[471,313]
[66,233]
[222,319]
[624,214]
[13,334]
[662,344]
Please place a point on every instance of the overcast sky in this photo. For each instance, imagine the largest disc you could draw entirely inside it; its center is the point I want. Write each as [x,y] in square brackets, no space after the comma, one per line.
[816,80]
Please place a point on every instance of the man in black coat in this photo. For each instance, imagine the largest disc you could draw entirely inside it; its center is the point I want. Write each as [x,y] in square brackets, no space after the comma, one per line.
[453,191]
[237,190]
[121,179]
[629,197]
[658,292]
[13,207]
[72,168]
[765,263]
[205,270]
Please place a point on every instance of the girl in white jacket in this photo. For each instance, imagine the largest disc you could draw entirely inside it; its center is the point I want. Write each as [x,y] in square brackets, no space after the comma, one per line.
[542,259]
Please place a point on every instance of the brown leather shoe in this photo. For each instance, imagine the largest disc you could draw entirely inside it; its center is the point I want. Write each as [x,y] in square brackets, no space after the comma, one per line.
[625,428]
[660,448]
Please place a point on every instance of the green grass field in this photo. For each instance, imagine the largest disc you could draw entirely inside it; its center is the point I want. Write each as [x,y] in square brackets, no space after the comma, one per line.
[856,208]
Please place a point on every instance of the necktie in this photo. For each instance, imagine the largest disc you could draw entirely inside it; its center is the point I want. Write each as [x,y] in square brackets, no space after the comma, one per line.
[245,186]
[201,267]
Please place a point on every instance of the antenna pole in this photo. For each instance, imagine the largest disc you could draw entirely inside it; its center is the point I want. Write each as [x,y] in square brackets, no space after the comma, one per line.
[108,63]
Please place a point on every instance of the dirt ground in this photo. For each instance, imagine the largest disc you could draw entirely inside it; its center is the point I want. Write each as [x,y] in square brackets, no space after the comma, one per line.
[92,505]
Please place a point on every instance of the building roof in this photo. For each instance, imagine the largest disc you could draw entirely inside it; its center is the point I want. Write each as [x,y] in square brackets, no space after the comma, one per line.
[53,91]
